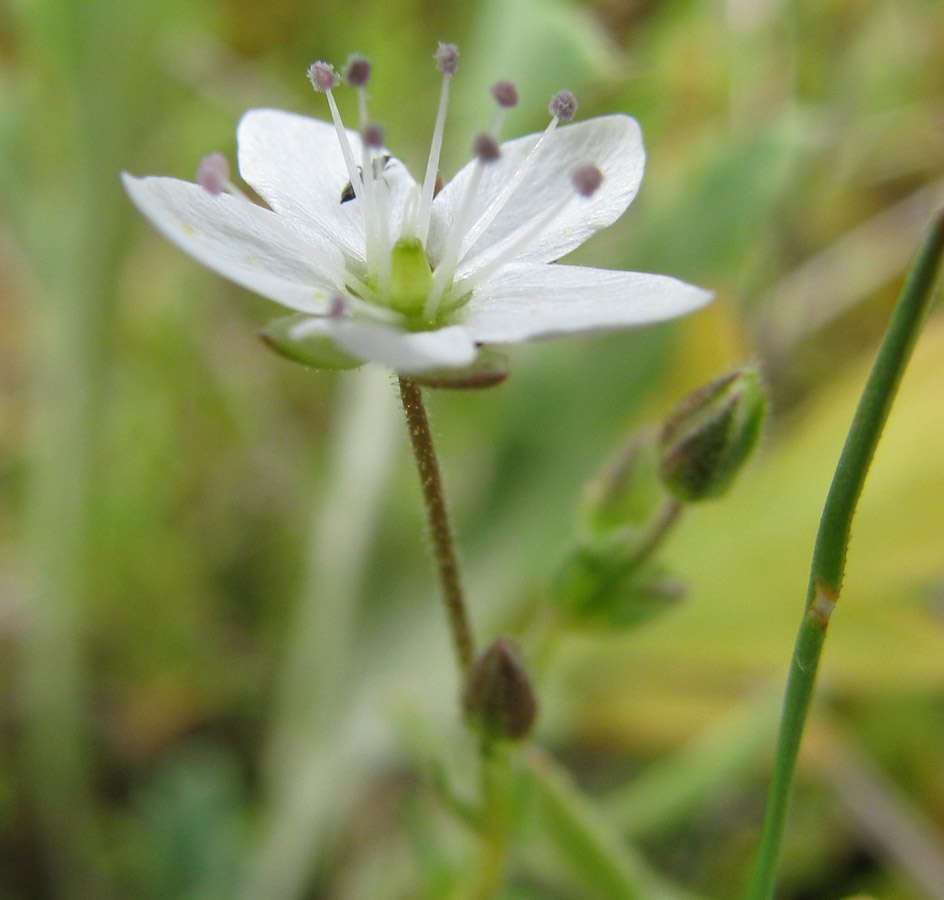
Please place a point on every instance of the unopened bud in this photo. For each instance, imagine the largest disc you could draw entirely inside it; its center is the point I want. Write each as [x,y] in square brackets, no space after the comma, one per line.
[498,699]
[624,496]
[711,434]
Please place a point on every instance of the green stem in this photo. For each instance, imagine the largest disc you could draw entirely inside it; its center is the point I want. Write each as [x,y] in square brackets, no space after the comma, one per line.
[832,541]
[439,529]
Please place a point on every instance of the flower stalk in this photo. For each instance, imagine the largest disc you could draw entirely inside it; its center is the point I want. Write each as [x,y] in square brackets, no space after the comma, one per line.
[439,529]
[832,541]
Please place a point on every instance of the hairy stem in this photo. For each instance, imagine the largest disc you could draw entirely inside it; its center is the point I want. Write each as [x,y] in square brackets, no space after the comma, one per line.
[439,529]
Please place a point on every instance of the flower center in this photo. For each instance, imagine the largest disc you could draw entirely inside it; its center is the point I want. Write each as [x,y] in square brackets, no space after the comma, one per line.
[410,277]
[400,276]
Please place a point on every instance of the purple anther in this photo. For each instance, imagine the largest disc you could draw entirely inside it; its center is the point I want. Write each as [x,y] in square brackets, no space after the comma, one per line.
[337,307]
[505,94]
[373,135]
[213,173]
[586,179]
[357,71]
[563,106]
[322,76]
[447,58]
[486,148]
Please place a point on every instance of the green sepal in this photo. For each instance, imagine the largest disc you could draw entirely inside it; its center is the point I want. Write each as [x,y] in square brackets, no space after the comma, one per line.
[488,369]
[601,586]
[316,351]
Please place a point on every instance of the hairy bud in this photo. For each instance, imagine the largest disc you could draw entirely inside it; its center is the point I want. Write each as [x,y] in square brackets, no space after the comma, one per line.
[498,699]
[711,434]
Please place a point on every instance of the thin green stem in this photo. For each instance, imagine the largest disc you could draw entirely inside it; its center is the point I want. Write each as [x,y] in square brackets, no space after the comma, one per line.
[832,541]
[439,528]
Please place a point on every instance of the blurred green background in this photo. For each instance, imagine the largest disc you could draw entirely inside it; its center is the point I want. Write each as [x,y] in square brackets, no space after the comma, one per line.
[223,667]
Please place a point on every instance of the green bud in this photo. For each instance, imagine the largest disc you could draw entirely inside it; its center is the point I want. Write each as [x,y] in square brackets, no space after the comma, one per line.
[498,699]
[490,368]
[711,434]
[626,493]
[410,276]
[315,351]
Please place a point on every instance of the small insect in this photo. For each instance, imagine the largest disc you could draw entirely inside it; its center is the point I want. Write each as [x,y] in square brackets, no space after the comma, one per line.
[348,192]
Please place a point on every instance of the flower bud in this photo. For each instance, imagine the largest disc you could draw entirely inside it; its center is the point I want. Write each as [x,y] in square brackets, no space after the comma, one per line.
[498,699]
[626,493]
[711,434]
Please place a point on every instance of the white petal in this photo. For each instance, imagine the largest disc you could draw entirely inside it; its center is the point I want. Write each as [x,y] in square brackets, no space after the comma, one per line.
[237,239]
[296,164]
[403,351]
[612,143]
[527,302]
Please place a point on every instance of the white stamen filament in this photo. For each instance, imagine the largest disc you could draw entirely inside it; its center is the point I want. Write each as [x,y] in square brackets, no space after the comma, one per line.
[432,164]
[357,184]
[496,206]
[495,130]
[369,208]
[408,217]
[511,247]
[383,234]
[444,272]
[346,150]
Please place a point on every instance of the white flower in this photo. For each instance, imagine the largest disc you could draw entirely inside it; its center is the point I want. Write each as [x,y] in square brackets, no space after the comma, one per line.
[388,270]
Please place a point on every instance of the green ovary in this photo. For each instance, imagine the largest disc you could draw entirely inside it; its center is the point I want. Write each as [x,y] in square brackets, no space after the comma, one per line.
[410,277]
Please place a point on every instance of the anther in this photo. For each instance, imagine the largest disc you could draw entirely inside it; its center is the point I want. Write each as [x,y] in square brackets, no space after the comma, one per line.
[447,61]
[213,173]
[586,179]
[337,307]
[373,136]
[505,94]
[322,76]
[486,148]
[563,106]
[357,71]
[447,58]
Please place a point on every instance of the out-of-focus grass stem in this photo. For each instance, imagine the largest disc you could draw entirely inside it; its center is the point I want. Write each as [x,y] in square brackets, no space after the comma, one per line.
[832,541]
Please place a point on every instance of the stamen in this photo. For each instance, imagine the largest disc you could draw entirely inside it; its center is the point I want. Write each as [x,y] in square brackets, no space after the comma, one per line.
[563,106]
[373,136]
[487,151]
[383,222]
[506,96]
[408,218]
[447,58]
[213,173]
[337,308]
[586,180]
[447,61]
[357,71]
[324,78]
